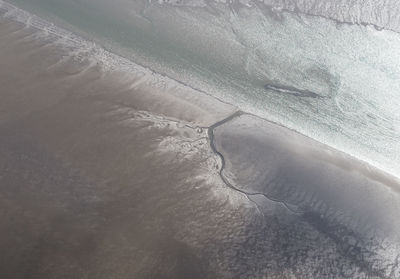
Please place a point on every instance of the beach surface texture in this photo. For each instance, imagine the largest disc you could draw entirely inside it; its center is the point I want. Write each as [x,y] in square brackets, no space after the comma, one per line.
[111,170]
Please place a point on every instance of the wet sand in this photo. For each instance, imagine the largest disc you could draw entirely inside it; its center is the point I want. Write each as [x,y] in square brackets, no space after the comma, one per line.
[93,185]
[106,173]
[262,158]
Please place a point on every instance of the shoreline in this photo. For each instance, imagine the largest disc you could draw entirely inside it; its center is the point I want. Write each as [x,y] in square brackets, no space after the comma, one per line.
[105,56]
[118,169]
[129,66]
[361,166]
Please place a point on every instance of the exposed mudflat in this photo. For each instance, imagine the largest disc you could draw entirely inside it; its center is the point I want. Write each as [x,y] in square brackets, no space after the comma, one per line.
[112,173]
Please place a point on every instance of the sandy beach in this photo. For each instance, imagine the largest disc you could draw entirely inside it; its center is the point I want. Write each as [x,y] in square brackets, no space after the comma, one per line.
[110,172]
